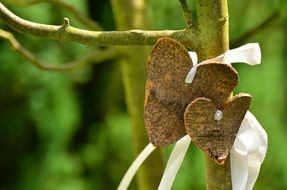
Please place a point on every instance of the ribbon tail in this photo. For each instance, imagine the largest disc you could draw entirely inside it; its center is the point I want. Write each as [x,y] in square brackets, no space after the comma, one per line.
[126,180]
[255,163]
[191,74]
[193,57]
[252,176]
[239,171]
[248,53]
[174,163]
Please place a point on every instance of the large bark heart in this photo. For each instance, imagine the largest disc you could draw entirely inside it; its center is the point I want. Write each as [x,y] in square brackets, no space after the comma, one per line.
[215,138]
[163,125]
[167,67]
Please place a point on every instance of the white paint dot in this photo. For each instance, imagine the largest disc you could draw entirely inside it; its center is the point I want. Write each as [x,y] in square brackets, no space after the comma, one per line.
[218,115]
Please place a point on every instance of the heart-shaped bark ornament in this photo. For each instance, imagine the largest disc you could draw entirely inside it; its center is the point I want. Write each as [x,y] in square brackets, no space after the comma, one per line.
[168,66]
[214,137]
[214,81]
[167,94]
[163,124]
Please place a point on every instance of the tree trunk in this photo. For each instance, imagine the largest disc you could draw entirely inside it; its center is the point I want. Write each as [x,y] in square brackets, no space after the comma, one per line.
[213,35]
[130,14]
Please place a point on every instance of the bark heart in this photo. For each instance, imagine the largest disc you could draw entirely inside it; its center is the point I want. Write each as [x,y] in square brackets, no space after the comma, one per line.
[215,138]
[167,94]
[164,125]
[168,66]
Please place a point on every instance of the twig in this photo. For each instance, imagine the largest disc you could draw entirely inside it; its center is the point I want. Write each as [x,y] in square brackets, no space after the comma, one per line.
[95,38]
[89,23]
[186,13]
[92,57]
[257,29]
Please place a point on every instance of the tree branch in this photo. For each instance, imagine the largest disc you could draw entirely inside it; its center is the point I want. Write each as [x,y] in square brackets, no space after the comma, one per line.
[257,29]
[92,57]
[89,23]
[186,13]
[95,38]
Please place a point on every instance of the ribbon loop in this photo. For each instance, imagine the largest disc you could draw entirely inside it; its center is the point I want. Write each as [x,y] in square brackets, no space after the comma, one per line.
[248,53]
[247,153]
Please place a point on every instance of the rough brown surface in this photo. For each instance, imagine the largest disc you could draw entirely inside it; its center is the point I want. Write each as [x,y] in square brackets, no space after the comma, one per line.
[214,81]
[163,125]
[215,138]
[167,92]
[168,65]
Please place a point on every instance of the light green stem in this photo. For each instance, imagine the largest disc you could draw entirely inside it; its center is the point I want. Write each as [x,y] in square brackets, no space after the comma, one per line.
[213,27]
[66,32]
[214,39]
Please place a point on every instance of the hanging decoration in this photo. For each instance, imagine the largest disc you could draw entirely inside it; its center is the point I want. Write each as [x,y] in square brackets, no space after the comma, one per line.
[188,101]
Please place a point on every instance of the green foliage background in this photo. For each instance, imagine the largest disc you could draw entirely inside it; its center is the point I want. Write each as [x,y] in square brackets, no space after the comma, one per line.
[71,130]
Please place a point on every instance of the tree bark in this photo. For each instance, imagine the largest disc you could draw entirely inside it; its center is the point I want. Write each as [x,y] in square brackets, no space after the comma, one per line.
[214,38]
[131,14]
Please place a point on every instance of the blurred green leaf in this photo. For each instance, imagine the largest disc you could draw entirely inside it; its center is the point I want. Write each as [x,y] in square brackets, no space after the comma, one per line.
[282,5]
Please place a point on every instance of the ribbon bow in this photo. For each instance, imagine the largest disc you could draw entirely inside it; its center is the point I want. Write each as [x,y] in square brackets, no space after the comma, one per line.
[250,145]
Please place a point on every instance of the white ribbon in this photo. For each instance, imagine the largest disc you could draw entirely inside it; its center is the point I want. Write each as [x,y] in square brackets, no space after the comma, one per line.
[174,162]
[248,53]
[247,153]
[135,166]
[191,74]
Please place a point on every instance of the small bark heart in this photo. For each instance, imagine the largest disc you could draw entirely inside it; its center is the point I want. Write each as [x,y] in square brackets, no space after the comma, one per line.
[215,138]
[214,81]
